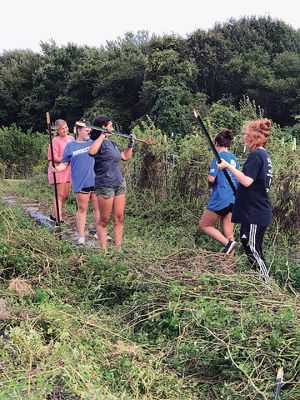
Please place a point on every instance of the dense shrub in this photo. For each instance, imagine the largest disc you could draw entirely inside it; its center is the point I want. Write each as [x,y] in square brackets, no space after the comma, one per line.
[21,154]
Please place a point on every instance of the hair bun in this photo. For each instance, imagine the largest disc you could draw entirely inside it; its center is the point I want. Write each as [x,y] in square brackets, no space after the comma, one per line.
[265,126]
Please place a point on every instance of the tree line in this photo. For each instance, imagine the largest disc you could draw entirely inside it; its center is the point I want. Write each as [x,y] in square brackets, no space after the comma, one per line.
[158,76]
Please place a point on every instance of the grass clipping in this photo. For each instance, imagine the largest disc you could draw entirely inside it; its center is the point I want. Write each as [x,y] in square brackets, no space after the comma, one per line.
[20,287]
[227,331]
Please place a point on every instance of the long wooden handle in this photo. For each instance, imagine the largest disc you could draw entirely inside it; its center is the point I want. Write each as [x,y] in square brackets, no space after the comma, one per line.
[48,117]
[48,120]
[205,131]
[279,382]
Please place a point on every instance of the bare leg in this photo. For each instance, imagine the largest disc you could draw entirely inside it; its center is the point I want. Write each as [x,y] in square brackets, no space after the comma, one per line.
[67,191]
[227,226]
[82,207]
[105,209]
[96,211]
[207,226]
[118,215]
[62,190]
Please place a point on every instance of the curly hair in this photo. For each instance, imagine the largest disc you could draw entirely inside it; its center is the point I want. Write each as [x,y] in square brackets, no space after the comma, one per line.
[256,133]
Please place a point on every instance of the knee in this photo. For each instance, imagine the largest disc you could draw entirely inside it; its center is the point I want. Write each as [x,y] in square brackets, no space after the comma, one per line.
[81,210]
[96,209]
[103,221]
[201,226]
[119,219]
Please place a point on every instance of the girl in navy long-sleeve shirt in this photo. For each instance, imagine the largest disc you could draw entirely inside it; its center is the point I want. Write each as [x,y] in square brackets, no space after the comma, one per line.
[252,209]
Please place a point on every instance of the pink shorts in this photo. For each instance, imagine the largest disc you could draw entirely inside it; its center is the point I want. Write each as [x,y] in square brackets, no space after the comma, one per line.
[61,177]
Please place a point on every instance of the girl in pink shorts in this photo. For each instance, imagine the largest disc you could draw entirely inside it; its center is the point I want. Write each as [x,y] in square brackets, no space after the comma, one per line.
[63,178]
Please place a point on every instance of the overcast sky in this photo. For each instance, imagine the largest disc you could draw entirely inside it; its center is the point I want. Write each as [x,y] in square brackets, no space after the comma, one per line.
[24,23]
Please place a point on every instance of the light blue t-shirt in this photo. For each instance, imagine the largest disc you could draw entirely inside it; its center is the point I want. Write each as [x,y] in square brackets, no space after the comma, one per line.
[222,194]
[82,165]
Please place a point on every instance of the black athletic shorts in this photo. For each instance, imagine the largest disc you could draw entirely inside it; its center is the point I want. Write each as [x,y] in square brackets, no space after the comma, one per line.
[87,190]
[225,210]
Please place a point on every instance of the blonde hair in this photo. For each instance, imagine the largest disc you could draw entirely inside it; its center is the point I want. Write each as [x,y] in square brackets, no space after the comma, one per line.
[256,133]
[59,122]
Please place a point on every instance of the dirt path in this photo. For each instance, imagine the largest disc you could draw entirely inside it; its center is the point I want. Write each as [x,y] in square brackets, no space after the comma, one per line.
[40,214]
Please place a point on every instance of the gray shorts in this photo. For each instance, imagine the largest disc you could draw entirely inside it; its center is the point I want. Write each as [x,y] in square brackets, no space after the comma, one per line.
[108,193]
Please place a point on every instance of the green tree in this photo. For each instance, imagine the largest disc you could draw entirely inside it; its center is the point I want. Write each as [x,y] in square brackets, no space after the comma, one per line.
[17,74]
[119,79]
[168,84]
[211,51]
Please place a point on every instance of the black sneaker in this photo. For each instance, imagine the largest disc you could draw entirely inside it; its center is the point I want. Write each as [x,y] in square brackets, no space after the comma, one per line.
[60,223]
[230,246]
[54,220]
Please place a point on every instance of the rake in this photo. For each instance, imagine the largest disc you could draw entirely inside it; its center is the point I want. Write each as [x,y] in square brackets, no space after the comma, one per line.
[120,134]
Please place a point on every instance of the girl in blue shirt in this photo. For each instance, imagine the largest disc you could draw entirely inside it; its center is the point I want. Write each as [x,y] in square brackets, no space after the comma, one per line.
[82,176]
[222,197]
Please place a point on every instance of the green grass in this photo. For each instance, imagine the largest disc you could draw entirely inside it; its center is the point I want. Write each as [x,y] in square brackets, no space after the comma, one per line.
[163,319]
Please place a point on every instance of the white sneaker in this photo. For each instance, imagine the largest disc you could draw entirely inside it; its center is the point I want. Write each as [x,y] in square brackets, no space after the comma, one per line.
[81,240]
[109,238]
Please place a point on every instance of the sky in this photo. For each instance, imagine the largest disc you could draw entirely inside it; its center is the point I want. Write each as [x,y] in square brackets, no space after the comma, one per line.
[25,23]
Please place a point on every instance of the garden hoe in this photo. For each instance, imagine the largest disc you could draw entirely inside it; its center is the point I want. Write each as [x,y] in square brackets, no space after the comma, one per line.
[210,142]
[96,128]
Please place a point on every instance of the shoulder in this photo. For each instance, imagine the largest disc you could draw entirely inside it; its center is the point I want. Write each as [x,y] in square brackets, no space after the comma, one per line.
[233,156]
[253,162]
[71,143]
[263,153]
[56,139]
[226,155]
[229,157]
[254,155]
[70,138]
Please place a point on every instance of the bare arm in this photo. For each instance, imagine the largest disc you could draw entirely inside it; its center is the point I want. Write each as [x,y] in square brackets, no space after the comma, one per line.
[126,154]
[93,150]
[60,167]
[239,175]
[57,159]
[210,180]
